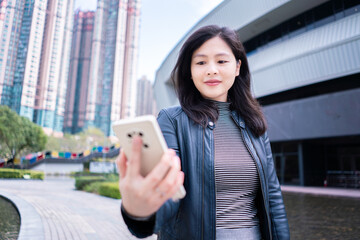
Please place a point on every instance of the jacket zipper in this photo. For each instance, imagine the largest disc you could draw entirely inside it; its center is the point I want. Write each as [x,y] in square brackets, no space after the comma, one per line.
[267,214]
[214,180]
[257,168]
[203,182]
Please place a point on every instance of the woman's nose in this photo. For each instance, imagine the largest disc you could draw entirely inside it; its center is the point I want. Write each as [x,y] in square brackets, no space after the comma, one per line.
[212,69]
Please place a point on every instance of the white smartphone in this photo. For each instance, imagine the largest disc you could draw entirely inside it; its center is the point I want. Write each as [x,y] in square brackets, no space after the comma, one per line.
[154,145]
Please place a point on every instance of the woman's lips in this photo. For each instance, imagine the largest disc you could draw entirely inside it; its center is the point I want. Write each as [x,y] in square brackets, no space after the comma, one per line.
[212,82]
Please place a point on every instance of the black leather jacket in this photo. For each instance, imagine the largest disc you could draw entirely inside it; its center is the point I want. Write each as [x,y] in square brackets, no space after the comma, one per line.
[194,217]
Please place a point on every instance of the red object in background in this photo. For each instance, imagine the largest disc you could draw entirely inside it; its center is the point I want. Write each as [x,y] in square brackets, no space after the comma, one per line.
[74,155]
[40,156]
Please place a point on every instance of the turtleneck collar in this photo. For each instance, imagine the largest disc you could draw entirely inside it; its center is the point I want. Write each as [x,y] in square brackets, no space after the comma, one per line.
[223,107]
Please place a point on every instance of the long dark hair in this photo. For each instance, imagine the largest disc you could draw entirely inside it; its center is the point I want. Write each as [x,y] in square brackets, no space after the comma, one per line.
[200,109]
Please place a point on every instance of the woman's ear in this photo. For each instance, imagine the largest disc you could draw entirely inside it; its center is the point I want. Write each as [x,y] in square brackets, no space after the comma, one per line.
[238,65]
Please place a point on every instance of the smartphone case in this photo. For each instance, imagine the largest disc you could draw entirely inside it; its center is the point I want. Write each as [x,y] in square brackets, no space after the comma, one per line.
[147,128]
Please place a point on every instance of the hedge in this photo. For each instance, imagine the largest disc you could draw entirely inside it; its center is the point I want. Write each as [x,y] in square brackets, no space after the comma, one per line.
[20,173]
[106,185]
[81,182]
[111,177]
[35,174]
[110,189]
[93,187]
[84,173]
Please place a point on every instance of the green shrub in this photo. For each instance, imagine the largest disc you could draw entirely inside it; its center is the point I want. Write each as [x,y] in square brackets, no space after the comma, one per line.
[81,182]
[93,187]
[111,177]
[10,173]
[19,173]
[36,174]
[105,184]
[109,189]
[33,174]
[86,173]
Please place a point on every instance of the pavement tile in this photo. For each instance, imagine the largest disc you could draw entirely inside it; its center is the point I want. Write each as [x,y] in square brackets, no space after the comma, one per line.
[64,213]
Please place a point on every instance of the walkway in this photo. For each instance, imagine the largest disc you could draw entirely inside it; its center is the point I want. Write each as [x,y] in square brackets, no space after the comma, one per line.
[52,209]
[324,191]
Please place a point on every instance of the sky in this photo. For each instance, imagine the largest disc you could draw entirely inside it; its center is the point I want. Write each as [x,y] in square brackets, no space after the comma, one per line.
[163,24]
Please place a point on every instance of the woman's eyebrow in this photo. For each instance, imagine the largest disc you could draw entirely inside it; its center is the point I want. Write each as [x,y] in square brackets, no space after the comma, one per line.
[199,55]
[216,55]
[222,54]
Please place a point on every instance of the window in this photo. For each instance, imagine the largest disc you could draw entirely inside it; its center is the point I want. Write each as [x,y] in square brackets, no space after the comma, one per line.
[316,17]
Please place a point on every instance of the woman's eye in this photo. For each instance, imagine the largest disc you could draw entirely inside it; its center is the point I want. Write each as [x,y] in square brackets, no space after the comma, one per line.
[222,61]
[200,63]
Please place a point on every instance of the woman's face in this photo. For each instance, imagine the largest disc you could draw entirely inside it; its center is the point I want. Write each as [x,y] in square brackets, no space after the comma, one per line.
[214,68]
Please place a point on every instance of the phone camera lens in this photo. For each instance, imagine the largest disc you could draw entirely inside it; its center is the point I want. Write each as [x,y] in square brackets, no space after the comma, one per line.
[146,146]
[141,134]
[129,135]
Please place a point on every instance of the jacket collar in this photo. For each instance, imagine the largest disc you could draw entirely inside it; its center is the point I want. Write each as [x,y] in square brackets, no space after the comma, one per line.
[238,119]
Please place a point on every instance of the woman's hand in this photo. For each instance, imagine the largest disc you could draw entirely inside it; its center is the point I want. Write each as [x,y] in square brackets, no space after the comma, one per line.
[143,196]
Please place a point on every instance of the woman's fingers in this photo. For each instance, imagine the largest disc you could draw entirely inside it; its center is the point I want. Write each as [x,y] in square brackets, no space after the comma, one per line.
[144,196]
[165,191]
[168,186]
[170,179]
[179,183]
[134,161]
[161,169]
[121,164]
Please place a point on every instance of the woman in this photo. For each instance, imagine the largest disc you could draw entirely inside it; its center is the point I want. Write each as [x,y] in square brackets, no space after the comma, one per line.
[219,133]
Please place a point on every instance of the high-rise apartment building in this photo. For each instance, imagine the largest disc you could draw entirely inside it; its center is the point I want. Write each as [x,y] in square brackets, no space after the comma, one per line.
[79,90]
[12,14]
[53,72]
[145,101]
[110,33]
[34,58]
[128,100]
[28,58]
[116,90]
[35,49]
[110,92]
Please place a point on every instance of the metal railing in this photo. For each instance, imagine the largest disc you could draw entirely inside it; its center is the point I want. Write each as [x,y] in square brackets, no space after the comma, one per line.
[112,153]
[345,179]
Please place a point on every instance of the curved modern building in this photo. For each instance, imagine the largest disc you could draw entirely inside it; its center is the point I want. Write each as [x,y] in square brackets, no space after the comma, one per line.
[304,58]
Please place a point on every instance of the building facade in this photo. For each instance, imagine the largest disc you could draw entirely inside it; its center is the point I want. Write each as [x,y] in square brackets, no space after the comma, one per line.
[35,53]
[110,90]
[36,40]
[54,68]
[78,83]
[304,57]
[145,102]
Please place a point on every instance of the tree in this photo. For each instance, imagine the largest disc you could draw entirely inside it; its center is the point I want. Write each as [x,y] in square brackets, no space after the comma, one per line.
[19,135]
[79,142]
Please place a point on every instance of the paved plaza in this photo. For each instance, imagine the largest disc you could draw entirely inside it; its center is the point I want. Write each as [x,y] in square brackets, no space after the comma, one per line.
[53,209]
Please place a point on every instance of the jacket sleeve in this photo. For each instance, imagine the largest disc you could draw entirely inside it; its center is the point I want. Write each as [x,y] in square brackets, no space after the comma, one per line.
[170,208]
[141,228]
[279,222]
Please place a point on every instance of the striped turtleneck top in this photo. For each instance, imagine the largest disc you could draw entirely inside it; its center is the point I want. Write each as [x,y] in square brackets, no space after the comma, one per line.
[236,176]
